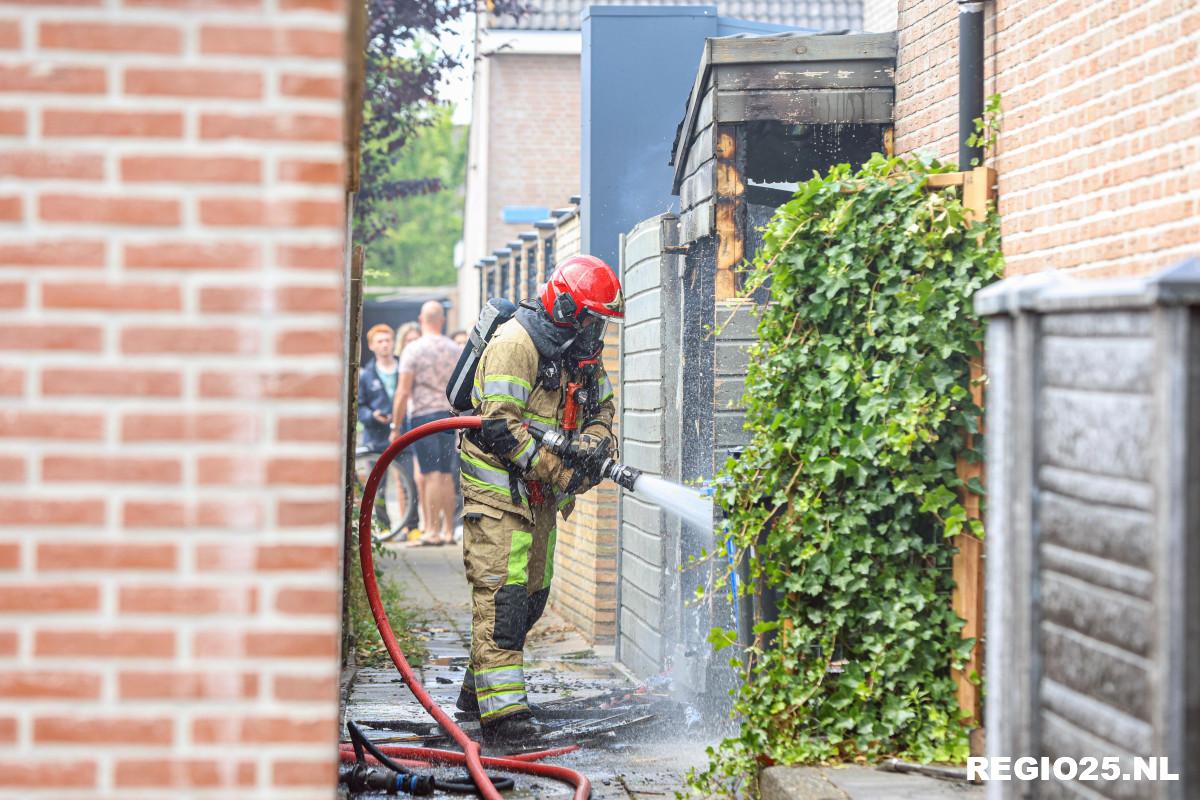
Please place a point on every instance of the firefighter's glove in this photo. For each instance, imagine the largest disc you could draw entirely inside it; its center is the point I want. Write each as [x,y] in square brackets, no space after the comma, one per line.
[592,452]
[549,468]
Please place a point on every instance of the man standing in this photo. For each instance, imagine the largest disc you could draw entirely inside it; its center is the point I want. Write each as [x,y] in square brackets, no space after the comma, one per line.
[540,372]
[376,388]
[425,368]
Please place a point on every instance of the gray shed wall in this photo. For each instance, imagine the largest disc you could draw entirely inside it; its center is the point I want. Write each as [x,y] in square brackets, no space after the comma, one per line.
[648,593]
[681,388]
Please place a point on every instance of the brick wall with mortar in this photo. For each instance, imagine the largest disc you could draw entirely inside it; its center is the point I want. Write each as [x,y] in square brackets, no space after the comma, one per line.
[585,564]
[533,157]
[584,591]
[1098,158]
[171,214]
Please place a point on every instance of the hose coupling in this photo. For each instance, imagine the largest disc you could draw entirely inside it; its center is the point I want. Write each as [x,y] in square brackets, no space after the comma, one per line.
[363,777]
[555,441]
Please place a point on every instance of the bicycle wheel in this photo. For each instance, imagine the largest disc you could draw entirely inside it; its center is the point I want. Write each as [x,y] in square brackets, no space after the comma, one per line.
[363,463]
[403,506]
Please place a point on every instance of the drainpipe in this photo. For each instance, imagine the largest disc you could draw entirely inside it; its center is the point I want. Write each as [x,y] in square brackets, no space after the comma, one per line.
[970,78]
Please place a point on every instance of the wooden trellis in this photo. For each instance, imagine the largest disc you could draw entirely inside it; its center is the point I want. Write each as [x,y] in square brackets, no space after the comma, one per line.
[978,192]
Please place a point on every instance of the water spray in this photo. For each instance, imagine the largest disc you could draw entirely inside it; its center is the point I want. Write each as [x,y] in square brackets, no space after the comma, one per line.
[687,504]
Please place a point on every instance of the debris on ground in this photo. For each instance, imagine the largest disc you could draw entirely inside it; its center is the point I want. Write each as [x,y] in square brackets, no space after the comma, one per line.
[638,740]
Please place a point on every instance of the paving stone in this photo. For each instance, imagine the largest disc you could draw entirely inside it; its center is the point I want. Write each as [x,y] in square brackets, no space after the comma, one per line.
[859,783]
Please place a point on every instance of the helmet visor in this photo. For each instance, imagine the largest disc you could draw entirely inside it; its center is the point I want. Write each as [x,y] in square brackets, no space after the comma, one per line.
[592,327]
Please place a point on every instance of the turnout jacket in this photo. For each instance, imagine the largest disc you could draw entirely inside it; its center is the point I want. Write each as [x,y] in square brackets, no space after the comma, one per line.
[507,387]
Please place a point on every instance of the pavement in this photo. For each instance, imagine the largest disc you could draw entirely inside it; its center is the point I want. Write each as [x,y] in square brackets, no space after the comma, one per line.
[645,760]
[859,783]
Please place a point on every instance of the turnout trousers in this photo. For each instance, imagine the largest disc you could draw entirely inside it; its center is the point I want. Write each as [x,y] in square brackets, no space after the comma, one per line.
[509,563]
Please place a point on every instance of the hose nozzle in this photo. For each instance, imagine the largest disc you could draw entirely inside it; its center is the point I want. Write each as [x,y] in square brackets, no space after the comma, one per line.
[620,474]
[560,443]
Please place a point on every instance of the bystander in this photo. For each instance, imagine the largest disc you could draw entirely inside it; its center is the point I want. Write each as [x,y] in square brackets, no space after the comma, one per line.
[376,391]
[424,371]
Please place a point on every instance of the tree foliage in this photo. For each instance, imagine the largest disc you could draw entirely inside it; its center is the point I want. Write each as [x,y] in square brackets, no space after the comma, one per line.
[858,403]
[419,231]
[404,62]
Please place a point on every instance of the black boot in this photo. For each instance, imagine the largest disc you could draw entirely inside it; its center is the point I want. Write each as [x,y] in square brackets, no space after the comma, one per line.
[513,730]
[467,702]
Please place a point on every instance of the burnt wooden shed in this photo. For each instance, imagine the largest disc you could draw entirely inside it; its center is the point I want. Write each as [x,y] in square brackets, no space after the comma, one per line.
[764,112]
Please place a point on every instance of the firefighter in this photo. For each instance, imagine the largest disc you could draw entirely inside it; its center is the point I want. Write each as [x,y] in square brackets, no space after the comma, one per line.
[540,371]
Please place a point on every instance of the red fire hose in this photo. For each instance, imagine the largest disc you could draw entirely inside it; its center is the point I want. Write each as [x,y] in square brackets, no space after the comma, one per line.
[470,755]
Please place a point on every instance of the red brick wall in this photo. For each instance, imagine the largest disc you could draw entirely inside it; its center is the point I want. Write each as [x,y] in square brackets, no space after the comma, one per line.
[584,591]
[170,378]
[533,144]
[1098,158]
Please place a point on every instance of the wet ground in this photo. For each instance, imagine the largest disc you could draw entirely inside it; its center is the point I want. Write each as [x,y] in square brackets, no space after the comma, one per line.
[582,695]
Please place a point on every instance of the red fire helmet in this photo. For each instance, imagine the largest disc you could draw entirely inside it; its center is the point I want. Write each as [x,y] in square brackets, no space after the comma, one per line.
[582,287]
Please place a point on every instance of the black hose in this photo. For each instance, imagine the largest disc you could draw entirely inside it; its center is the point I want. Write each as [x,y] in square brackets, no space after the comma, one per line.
[467,786]
[463,786]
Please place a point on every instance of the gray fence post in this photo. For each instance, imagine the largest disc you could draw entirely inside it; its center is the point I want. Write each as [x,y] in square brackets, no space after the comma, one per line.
[1093,577]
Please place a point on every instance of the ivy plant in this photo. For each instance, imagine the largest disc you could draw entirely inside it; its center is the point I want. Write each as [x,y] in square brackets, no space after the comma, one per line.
[858,402]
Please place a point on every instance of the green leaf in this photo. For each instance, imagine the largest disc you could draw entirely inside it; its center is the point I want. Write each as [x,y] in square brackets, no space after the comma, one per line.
[720,638]
[937,499]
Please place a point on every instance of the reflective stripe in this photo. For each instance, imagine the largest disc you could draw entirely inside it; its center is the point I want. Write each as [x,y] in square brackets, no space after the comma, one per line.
[562,500]
[504,689]
[476,396]
[502,711]
[606,389]
[517,670]
[506,388]
[518,558]
[530,417]
[501,690]
[524,458]
[485,476]
[548,570]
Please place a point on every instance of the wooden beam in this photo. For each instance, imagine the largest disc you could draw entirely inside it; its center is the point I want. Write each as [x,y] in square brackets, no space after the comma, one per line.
[979,189]
[944,179]
[968,568]
[840,74]
[968,595]
[731,212]
[353,309]
[814,106]
[354,85]
[788,47]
